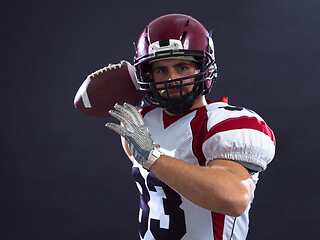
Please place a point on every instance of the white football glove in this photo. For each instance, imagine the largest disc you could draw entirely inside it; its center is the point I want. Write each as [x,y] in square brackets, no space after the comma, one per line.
[136,134]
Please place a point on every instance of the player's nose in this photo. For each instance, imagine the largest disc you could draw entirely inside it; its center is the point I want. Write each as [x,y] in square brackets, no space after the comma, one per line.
[171,76]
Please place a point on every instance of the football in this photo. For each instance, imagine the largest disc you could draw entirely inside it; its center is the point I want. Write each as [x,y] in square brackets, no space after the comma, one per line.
[101,90]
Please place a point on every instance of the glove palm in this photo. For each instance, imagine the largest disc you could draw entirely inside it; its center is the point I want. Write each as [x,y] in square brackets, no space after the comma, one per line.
[135,133]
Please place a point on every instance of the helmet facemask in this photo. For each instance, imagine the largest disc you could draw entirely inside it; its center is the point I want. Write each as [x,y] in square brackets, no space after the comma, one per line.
[177,104]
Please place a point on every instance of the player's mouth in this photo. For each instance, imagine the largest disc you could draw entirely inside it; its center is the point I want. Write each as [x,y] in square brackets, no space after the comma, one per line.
[174,92]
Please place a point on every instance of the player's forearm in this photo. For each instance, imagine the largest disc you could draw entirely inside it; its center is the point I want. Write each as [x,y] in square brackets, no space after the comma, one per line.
[215,189]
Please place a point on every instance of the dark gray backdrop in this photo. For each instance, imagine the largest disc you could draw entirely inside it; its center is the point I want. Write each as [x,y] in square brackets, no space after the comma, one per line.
[64,175]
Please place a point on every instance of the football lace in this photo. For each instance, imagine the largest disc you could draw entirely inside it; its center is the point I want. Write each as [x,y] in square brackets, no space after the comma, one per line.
[109,67]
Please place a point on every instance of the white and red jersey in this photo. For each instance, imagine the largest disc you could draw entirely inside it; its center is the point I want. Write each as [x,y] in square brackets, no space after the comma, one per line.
[215,131]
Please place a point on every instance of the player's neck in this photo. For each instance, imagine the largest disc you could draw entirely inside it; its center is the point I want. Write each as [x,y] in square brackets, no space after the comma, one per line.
[200,102]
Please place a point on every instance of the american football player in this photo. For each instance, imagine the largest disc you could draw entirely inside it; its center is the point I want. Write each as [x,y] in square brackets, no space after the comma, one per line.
[195,162]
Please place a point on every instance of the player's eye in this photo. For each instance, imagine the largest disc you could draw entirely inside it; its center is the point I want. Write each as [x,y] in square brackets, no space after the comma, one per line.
[160,70]
[182,68]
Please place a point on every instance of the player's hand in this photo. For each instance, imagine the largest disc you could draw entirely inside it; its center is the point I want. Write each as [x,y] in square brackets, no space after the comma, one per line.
[135,133]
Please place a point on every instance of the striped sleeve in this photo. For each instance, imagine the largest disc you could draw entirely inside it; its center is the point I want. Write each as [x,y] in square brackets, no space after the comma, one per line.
[244,139]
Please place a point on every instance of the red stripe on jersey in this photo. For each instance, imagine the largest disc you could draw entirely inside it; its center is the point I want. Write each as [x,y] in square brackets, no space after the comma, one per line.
[199,131]
[168,120]
[223,99]
[241,123]
[218,225]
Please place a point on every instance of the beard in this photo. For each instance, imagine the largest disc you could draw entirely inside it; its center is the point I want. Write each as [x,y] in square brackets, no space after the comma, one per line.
[175,103]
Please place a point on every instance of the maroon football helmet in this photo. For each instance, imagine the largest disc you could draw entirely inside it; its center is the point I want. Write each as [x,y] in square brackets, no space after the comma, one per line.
[175,36]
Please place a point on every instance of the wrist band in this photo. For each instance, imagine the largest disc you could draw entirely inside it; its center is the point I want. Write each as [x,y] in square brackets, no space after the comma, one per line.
[153,156]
